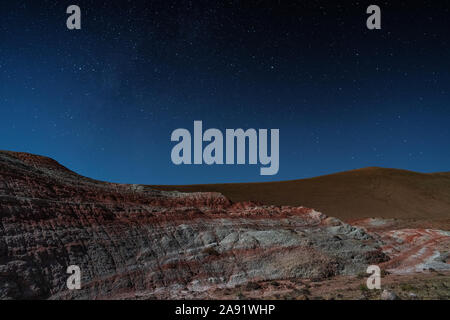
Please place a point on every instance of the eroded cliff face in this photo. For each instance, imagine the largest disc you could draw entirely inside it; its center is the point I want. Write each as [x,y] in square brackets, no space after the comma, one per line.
[134,242]
[129,239]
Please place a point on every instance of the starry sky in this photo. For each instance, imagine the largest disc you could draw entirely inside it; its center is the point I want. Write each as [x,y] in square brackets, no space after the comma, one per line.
[105,99]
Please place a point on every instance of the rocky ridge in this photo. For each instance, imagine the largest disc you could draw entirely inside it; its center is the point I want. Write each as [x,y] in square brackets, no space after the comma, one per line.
[132,241]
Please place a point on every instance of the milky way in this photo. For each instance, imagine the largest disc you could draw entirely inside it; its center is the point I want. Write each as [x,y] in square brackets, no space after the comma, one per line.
[103,100]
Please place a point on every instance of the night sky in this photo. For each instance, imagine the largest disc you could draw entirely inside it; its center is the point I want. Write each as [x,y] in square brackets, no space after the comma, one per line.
[105,99]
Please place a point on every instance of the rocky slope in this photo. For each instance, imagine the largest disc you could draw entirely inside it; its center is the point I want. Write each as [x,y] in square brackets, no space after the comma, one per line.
[132,241]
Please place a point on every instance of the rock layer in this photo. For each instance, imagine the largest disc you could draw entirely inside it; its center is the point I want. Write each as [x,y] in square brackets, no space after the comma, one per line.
[131,241]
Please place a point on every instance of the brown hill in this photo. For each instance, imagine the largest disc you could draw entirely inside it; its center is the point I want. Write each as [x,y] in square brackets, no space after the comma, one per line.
[350,195]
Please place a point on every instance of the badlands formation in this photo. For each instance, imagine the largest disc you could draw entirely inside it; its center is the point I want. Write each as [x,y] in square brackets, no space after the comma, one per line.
[137,242]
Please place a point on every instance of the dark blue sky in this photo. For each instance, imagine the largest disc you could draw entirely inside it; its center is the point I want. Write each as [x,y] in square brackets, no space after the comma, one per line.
[104,100]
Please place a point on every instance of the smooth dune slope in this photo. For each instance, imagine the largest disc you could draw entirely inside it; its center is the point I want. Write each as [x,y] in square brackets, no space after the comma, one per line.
[356,194]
